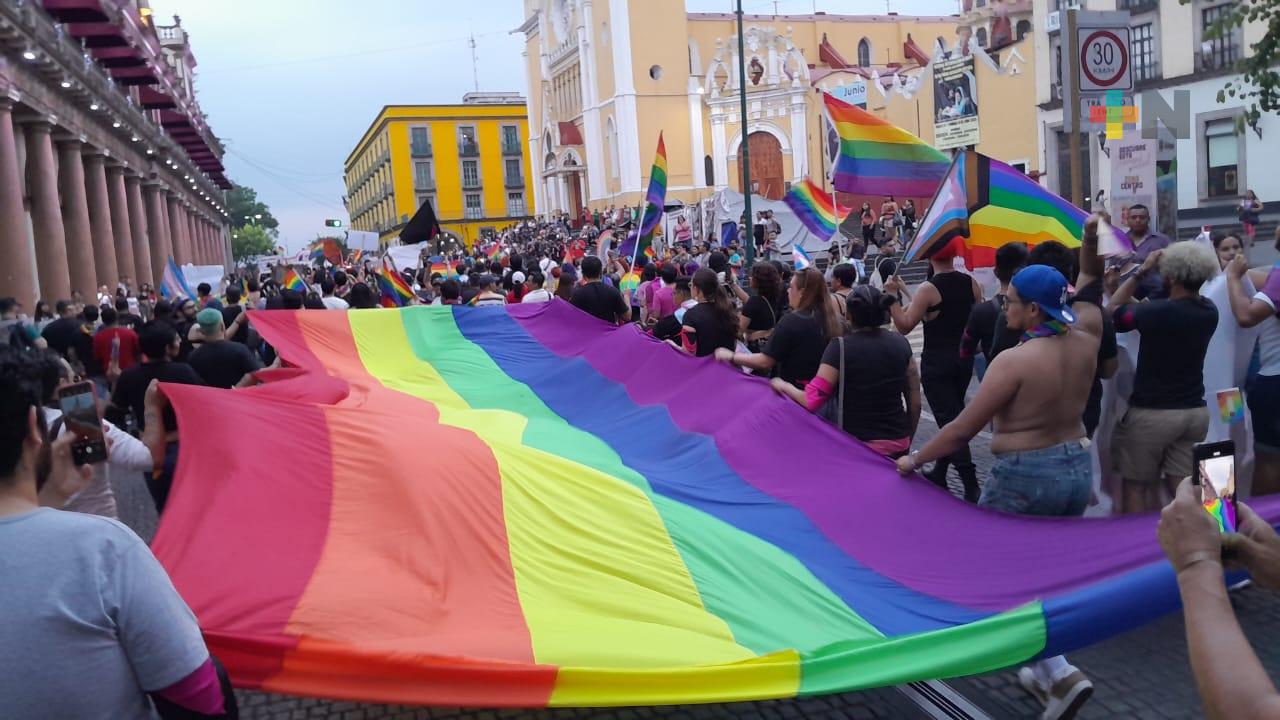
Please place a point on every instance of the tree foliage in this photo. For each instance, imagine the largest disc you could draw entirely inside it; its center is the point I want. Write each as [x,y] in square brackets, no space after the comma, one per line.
[1258,85]
[251,241]
[242,203]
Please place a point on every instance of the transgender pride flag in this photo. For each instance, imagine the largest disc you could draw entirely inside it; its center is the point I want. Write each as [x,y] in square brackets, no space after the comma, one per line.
[172,283]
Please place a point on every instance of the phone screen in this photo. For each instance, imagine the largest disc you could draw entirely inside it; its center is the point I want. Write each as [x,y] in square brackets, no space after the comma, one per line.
[80,413]
[1217,474]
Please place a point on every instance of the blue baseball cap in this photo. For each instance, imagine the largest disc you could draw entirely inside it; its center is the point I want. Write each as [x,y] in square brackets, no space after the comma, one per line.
[1045,287]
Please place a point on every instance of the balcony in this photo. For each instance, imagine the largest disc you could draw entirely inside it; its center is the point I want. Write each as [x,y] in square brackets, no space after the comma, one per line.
[470,183]
[420,149]
[468,149]
[514,182]
[510,147]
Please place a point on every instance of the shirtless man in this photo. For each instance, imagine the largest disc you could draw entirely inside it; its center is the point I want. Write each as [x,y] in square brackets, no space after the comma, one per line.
[1036,393]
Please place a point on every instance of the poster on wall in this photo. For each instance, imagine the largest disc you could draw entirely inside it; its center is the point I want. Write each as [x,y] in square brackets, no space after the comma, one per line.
[1133,177]
[955,103]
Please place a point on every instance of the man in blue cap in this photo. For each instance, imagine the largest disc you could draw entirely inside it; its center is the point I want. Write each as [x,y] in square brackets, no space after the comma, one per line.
[1035,393]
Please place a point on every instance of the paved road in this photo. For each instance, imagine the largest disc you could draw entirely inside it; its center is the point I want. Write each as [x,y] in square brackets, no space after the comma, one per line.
[1143,674]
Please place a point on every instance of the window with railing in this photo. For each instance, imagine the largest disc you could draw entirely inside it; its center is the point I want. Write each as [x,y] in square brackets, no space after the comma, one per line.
[419,142]
[1218,48]
[467,146]
[470,174]
[1142,48]
[514,176]
[471,207]
[515,204]
[510,140]
[422,174]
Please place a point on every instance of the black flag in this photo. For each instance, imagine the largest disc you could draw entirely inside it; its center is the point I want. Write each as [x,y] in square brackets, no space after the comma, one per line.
[422,227]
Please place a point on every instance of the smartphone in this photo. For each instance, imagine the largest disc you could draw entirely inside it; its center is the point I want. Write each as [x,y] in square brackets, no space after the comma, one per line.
[1215,470]
[83,416]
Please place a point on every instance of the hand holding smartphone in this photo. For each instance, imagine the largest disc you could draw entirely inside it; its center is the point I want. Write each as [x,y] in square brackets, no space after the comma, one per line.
[1215,472]
[83,417]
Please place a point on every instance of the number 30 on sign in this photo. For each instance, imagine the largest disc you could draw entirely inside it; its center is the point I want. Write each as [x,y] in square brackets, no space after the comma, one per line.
[1104,59]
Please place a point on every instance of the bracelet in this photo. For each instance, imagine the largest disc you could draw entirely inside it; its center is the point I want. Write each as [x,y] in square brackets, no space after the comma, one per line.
[1199,557]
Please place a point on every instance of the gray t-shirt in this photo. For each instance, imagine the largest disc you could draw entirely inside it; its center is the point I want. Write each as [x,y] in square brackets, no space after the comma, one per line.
[91,620]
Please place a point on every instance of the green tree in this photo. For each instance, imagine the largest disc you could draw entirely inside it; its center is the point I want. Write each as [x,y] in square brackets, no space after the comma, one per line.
[250,241]
[245,208]
[1259,83]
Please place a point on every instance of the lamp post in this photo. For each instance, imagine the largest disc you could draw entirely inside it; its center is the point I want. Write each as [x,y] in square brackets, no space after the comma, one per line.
[745,156]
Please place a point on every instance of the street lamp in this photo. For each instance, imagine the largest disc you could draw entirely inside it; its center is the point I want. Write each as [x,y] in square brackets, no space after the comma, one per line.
[742,152]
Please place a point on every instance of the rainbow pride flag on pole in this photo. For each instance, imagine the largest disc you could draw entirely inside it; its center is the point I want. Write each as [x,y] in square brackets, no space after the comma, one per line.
[814,207]
[989,204]
[655,202]
[395,292]
[877,158]
[293,281]
[551,555]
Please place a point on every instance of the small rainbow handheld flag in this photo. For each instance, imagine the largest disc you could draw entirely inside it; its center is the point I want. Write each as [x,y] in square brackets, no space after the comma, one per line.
[494,251]
[815,208]
[441,269]
[293,281]
[1231,406]
[395,291]
[629,282]
[801,257]
[877,158]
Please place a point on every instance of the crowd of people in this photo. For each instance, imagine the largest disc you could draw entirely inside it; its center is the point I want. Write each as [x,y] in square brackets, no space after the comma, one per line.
[833,341]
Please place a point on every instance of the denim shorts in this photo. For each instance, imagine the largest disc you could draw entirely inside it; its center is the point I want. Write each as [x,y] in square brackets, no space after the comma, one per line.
[1054,481]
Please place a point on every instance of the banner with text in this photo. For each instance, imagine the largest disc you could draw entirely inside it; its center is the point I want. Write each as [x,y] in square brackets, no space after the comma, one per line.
[955,103]
[1133,178]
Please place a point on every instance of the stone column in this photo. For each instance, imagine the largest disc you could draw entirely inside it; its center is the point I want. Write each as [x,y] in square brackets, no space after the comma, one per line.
[75,218]
[118,200]
[139,231]
[198,250]
[101,232]
[157,231]
[177,230]
[46,214]
[18,271]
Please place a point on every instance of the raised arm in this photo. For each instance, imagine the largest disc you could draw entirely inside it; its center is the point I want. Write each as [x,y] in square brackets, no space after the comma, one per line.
[1247,311]
[1124,294]
[905,319]
[1091,265]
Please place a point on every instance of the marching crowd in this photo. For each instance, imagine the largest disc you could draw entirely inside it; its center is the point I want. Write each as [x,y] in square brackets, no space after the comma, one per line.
[832,341]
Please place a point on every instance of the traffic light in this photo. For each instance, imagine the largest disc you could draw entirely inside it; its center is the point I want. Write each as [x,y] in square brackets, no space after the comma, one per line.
[333,223]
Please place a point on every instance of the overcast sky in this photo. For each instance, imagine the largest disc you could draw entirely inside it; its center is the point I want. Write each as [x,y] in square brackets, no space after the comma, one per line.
[290,85]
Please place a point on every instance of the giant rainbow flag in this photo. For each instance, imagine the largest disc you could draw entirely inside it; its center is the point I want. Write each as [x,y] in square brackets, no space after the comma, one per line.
[425,510]
[990,204]
[879,158]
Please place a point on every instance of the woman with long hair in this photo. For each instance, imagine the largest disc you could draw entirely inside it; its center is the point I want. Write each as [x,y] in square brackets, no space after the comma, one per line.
[868,225]
[870,373]
[796,345]
[713,322]
[760,311]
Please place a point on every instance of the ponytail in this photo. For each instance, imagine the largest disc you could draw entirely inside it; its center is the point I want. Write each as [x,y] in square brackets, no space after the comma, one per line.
[707,284]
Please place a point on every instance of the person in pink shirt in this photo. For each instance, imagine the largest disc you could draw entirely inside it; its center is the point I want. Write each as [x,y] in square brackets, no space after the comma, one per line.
[664,302]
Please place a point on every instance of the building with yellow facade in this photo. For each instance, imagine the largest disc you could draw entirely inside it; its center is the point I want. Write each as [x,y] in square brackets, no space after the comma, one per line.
[606,76]
[469,160]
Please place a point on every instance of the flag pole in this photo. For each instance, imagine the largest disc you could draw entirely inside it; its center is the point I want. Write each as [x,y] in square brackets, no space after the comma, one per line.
[744,154]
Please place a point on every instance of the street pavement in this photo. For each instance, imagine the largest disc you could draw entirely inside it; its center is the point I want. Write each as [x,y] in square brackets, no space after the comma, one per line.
[1143,674]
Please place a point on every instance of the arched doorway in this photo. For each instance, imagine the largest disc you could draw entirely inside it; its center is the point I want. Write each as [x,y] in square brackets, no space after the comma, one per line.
[766,165]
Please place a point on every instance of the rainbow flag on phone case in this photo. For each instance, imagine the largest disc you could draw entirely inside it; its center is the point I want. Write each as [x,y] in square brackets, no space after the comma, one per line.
[1231,406]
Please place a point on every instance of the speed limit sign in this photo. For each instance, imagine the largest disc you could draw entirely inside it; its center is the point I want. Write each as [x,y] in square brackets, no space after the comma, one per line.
[1104,59]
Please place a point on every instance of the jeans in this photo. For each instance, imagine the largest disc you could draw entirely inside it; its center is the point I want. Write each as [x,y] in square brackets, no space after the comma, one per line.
[1055,481]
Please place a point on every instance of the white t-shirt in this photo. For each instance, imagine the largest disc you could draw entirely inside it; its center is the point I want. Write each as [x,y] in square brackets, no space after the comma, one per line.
[540,295]
[98,621]
[333,302]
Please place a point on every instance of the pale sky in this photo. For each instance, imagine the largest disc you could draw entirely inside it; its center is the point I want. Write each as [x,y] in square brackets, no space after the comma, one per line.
[290,85]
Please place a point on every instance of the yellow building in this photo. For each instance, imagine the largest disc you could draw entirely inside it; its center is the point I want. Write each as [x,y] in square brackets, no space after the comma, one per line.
[469,160]
[605,76]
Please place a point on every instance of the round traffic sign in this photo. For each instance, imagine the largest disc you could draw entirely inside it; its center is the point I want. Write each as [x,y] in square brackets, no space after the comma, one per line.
[1104,58]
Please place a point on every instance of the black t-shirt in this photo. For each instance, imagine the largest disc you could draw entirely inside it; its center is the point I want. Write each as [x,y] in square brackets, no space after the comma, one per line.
[711,331]
[985,321]
[1175,338]
[61,333]
[131,388]
[763,315]
[668,328]
[875,383]
[229,315]
[796,346]
[129,320]
[600,300]
[222,364]
[185,346]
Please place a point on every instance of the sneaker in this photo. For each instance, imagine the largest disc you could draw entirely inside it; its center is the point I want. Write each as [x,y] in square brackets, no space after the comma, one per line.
[1067,696]
[1027,679]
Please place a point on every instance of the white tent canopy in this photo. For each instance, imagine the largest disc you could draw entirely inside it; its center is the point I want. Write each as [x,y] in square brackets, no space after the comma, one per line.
[727,206]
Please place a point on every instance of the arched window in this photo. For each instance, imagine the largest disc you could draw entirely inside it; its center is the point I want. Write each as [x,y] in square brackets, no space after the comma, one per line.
[864,53]
[1024,28]
[982,37]
[611,143]
[709,168]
